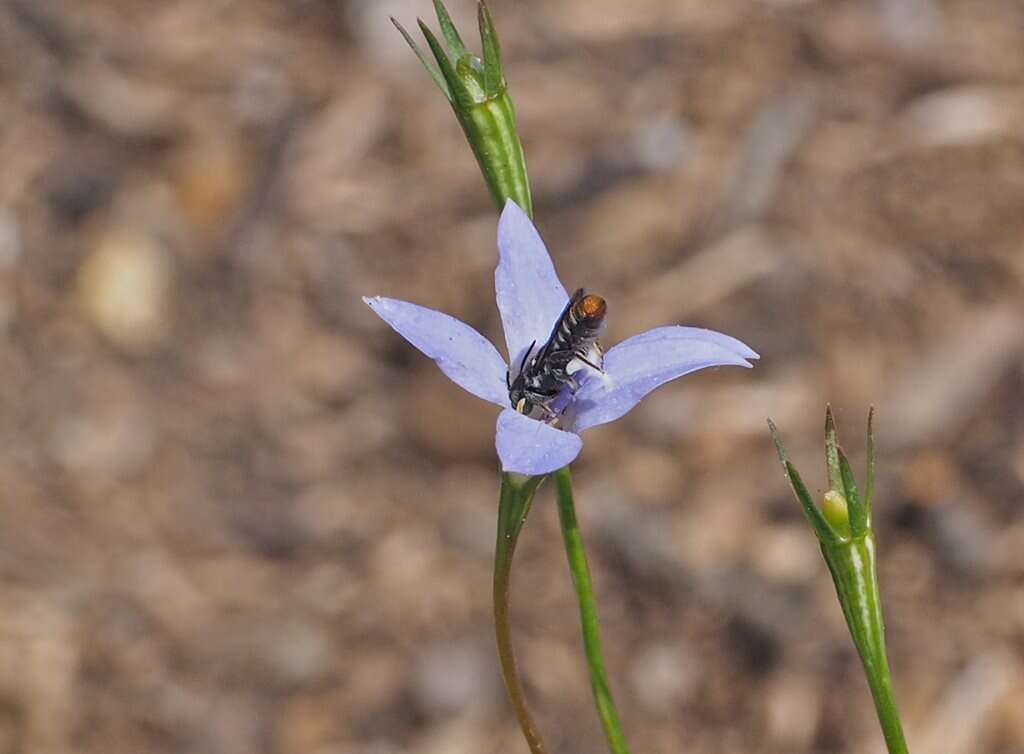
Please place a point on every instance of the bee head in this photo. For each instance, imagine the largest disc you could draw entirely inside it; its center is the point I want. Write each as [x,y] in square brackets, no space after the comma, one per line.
[518,398]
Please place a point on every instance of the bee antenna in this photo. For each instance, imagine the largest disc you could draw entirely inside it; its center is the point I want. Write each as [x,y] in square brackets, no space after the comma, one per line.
[522,364]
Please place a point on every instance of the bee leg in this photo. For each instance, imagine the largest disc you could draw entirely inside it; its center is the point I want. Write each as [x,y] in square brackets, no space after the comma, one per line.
[550,417]
[589,363]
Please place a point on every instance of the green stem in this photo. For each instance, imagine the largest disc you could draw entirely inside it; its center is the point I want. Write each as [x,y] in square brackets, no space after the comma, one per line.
[852,563]
[513,506]
[588,614]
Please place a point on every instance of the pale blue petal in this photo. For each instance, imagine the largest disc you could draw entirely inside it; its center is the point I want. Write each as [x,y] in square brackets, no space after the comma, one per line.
[678,332]
[528,446]
[530,295]
[464,355]
[638,365]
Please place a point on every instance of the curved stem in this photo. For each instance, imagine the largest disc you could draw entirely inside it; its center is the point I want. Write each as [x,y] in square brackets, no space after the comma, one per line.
[588,614]
[513,506]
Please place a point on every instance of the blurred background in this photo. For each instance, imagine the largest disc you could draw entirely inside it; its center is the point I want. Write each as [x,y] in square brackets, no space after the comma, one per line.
[240,515]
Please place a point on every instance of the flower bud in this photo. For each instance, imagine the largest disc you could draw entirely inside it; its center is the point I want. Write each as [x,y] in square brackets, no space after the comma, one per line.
[837,513]
[476,89]
[843,527]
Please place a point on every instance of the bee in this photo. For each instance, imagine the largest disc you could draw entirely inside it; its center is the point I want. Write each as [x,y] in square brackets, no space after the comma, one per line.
[543,375]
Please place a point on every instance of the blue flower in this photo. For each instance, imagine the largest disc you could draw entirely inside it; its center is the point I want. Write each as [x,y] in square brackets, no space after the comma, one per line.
[530,300]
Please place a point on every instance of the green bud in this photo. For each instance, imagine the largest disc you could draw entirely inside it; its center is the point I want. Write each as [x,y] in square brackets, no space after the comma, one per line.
[843,527]
[837,513]
[478,94]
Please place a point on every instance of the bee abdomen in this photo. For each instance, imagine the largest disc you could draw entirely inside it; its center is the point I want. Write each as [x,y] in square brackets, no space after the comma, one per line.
[580,326]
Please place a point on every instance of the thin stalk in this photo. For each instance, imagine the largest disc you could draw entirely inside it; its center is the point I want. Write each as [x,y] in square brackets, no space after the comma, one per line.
[885,706]
[588,614]
[513,506]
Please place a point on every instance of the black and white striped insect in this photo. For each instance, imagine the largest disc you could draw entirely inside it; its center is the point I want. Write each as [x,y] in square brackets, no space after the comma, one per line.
[544,373]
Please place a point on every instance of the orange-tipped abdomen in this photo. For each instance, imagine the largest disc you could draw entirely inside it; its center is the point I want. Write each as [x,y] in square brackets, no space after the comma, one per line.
[591,308]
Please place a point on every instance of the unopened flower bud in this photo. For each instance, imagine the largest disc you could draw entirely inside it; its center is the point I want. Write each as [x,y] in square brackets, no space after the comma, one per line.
[476,88]
[836,512]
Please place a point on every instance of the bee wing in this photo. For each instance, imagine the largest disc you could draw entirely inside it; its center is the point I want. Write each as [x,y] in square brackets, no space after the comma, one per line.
[546,350]
[560,359]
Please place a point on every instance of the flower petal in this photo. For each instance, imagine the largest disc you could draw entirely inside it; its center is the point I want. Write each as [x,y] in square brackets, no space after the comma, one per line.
[528,446]
[530,295]
[464,355]
[638,365]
